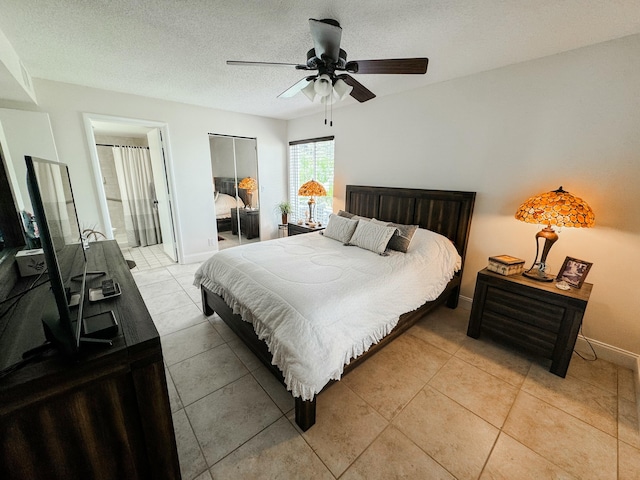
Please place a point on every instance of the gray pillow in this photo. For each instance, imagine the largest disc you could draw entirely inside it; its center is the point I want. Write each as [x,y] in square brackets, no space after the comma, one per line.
[353,216]
[402,238]
[342,213]
[372,236]
[340,228]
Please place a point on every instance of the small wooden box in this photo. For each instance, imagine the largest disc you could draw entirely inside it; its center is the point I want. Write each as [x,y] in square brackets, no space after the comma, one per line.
[506,265]
[30,262]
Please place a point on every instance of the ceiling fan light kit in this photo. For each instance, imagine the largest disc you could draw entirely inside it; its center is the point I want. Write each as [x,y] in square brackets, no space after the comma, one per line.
[323,85]
[328,58]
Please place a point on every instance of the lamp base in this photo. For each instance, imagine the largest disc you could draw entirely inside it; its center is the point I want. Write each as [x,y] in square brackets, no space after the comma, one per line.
[536,274]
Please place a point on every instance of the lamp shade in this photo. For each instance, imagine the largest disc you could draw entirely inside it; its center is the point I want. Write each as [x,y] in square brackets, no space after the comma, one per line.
[312,189]
[310,91]
[323,85]
[559,208]
[342,88]
[248,183]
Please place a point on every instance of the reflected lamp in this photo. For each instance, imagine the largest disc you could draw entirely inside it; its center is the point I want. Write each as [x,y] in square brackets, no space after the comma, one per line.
[249,184]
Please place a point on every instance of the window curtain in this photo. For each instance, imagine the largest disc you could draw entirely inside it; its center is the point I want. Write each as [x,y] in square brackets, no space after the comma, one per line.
[135,178]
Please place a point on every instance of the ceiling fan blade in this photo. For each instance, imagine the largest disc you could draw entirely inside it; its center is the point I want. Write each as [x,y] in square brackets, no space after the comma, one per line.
[359,92]
[326,35]
[416,66]
[295,88]
[266,64]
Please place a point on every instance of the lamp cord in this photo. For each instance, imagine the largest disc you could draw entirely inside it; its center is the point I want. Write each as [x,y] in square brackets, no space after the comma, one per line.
[595,356]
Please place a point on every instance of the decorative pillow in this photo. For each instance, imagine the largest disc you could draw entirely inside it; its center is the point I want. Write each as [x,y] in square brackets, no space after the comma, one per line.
[352,216]
[372,236]
[402,238]
[340,228]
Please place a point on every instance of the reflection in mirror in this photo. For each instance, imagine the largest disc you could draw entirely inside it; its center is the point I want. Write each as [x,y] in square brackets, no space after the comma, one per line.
[11,232]
[234,166]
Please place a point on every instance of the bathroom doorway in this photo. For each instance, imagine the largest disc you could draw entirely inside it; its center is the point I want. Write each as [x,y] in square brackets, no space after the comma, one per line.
[133,186]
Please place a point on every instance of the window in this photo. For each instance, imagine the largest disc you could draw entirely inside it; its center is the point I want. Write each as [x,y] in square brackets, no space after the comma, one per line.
[311,160]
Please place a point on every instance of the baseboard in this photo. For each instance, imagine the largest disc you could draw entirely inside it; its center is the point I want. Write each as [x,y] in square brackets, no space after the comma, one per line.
[611,354]
[637,378]
[465,302]
[197,257]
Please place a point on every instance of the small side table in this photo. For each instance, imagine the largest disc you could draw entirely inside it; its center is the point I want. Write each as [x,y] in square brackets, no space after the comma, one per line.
[295,229]
[282,230]
[535,316]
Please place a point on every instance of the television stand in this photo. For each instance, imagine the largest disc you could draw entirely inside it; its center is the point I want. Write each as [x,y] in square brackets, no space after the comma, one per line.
[104,414]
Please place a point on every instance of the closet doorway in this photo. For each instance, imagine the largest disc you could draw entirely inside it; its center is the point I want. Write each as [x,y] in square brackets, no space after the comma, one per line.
[134,185]
[234,167]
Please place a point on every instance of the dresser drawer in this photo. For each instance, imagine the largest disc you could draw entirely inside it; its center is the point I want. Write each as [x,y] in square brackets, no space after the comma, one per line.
[524,309]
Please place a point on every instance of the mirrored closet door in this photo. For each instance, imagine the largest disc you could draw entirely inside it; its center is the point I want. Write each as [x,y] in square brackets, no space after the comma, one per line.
[234,165]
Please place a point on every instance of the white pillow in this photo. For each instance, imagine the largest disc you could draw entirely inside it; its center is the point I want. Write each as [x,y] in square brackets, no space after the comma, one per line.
[372,236]
[224,203]
[340,228]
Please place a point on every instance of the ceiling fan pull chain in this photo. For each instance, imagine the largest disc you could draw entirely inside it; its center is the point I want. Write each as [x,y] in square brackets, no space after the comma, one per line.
[331,113]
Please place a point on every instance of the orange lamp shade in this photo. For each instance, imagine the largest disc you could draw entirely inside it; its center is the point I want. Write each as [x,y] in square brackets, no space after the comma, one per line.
[559,208]
[248,183]
[312,189]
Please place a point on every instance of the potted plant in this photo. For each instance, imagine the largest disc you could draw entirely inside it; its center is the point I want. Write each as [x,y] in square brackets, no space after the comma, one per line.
[284,208]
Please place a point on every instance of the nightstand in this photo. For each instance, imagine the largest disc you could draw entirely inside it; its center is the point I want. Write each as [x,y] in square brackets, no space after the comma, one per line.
[535,316]
[295,229]
[249,222]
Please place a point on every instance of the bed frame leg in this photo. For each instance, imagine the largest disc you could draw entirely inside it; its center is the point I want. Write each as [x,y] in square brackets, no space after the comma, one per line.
[452,299]
[305,413]
[206,309]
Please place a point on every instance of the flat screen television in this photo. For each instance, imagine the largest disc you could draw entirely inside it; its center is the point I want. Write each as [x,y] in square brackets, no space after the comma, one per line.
[49,186]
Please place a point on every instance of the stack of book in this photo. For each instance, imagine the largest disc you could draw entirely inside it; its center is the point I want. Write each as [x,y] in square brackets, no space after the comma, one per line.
[506,265]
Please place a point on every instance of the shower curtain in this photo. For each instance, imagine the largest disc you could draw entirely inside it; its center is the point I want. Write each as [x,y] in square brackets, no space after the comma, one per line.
[135,178]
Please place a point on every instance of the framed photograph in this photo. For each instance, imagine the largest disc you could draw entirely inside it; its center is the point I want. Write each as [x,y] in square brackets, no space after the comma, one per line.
[574,271]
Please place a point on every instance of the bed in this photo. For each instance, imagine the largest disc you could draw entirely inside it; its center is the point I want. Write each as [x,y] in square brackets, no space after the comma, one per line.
[447,213]
[224,195]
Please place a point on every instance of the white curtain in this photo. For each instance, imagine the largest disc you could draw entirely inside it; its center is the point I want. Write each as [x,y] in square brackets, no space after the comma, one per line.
[135,178]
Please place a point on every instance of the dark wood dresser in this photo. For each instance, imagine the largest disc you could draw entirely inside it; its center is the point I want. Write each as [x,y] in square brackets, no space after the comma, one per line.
[249,222]
[535,316]
[104,415]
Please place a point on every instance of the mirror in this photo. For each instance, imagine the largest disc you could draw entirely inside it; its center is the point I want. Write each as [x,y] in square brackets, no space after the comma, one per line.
[11,231]
[234,166]
[21,133]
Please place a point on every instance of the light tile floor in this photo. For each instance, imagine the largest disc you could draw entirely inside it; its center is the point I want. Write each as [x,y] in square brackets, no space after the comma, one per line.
[146,258]
[432,404]
[231,240]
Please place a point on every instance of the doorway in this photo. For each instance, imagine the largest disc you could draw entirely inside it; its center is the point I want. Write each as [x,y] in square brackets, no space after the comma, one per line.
[133,183]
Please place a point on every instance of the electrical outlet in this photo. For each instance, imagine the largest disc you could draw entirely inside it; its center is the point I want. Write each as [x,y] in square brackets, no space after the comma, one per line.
[212,242]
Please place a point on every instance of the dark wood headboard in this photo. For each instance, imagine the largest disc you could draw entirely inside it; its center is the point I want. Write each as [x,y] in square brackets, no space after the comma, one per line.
[227,185]
[445,212]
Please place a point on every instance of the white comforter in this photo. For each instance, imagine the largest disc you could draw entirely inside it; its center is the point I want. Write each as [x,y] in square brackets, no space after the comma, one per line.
[318,304]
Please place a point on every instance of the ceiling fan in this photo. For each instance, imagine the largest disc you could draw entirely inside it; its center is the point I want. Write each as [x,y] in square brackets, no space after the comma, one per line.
[329,85]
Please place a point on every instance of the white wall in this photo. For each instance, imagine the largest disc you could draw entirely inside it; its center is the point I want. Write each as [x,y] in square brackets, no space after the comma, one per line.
[188,141]
[571,119]
[24,133]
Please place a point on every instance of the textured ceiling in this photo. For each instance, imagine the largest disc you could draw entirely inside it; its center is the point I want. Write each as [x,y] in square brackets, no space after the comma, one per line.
[176,50]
